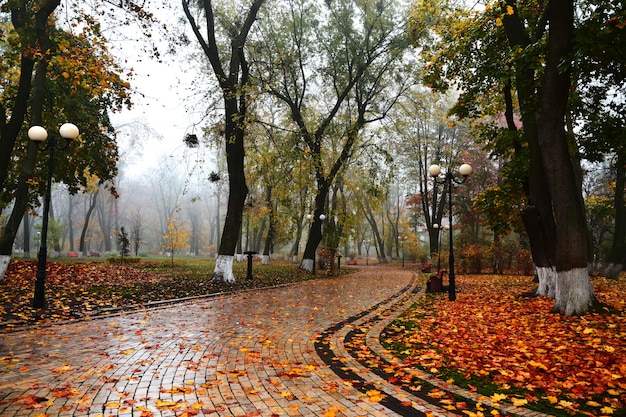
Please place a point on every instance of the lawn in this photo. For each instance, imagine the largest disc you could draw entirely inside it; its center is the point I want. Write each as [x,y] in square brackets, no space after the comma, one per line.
[76,289]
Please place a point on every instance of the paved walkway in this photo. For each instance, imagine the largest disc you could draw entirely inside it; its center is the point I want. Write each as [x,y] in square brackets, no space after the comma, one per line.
[287,351]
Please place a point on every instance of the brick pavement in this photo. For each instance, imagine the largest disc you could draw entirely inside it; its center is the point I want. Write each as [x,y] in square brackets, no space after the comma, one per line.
[277,352]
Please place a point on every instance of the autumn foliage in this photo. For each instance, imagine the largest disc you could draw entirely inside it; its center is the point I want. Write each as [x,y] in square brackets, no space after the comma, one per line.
[510,347]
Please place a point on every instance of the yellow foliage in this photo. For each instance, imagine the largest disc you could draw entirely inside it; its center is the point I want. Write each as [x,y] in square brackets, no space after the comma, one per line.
[176,237]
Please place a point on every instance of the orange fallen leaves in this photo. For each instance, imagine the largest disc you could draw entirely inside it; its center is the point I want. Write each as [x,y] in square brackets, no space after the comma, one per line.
[332,411]
[491,332]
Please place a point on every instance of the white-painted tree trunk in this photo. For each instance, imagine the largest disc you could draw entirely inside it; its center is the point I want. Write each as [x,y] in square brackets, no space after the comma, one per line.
[307,265]
[547,281]
[574,293]
[239,256]
[294,259]
[265,259]
[224,269]
[4,264]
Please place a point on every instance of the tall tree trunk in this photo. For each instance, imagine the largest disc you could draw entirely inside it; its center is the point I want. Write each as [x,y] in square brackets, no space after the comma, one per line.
[26,232]
[103,214]
[315,231]
[380,244]
[539,240]
[295,247]
[540,217]
[234,84]
[55,243]
[28,167]
[237,192]
[617,256]
[574,293]
[271,231]
[92,204]
[9,131]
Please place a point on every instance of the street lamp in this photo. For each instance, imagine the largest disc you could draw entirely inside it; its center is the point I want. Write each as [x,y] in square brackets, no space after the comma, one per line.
[367,252]
[322,217]
[402,239]
[38,134]
[465,171]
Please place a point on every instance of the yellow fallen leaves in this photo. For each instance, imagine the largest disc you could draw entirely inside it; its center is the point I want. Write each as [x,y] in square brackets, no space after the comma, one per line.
[375,396]
[178,390]
[519,402]
[332,411]
[166,403]
[497,397]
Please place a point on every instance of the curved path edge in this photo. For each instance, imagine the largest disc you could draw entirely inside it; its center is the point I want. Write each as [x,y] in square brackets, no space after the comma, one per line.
[358,356]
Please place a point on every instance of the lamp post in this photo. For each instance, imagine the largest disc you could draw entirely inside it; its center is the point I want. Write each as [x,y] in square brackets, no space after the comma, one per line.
[402,239]
[309,218]
[367,252]
[38,134]
[322,217]
[465,171]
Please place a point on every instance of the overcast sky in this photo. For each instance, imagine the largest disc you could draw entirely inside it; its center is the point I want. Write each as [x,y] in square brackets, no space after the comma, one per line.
[162,97]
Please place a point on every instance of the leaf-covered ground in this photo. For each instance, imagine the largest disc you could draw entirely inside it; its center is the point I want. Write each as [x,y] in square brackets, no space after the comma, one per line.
[511,348]
[492,340]
[79,289]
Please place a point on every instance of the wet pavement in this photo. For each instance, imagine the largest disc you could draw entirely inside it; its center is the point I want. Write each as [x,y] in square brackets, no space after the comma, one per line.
[286,351]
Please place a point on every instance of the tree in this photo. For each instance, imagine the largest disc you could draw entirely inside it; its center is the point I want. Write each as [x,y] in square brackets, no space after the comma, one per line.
[422,133]
[176,237]
[136,231]
[501,53]
[574,293]
[600,76]
[233,76]
[346,55]
[75,79]
[92,191]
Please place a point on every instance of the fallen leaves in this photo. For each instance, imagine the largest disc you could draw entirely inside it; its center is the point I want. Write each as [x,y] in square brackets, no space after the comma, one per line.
[492,334]
[77,289]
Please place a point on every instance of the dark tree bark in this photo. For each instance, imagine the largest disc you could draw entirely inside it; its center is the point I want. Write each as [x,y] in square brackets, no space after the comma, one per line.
[271,231]
[234,82]
[539,198]
[574,294]
[617,256]
[26,232]
[83,234]
[10,131]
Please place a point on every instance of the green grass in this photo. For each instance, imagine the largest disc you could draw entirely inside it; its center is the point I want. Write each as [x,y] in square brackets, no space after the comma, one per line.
[79,288]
